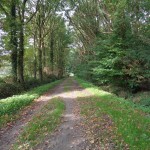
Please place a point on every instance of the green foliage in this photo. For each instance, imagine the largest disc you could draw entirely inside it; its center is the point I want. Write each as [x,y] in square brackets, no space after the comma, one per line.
[33,40]
[42,124]
[142,98]
[7,89]
[129,66]
[118,53]
[132,122]
[9,107]
[2,80]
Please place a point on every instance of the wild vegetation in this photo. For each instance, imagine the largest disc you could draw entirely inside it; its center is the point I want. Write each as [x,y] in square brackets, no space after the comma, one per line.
[34,41]
[10,107]
[112,40]
[104,42]
[34,44]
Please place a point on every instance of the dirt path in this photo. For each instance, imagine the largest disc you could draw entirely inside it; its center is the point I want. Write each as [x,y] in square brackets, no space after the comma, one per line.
[70,135]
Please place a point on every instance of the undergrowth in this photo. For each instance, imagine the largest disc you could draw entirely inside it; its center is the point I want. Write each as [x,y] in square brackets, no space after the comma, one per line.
[10,107]
[132,121]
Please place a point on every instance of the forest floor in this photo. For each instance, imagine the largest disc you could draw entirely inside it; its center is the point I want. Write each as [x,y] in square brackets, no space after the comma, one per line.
[83,125]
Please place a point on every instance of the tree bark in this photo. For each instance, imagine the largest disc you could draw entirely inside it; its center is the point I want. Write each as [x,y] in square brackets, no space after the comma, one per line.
[35,59]
[52,52]
[13,40]
[21,43]
[40,56]
[44,53]
[61,62]
[21,55]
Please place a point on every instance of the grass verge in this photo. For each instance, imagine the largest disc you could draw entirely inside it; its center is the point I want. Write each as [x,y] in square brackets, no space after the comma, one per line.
[10,107]
[67,86]
[41,125]
[132,123]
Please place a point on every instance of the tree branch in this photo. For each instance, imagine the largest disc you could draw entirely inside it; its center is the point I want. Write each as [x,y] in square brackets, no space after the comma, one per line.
[4,10]
[33,13]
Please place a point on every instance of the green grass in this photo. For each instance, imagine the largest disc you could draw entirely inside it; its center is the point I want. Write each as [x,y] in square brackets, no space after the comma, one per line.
[68,85]
[132,122]
[142,98]
[10,107]
[41,125]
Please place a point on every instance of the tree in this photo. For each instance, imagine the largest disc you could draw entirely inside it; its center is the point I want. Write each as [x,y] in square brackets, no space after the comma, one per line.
[11,18]
[112,42]
[15,16]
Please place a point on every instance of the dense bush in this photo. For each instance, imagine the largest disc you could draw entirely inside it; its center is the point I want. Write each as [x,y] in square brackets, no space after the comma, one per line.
[1,81]
[50,78]
[10,107]
[30,83]
[124,64]
[118,53]
[9,89]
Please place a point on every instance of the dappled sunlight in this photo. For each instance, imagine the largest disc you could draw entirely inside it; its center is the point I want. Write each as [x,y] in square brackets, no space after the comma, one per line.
[92,99]
[71,117]
[70,132]
[76,93]
[98,91]
[129,120]
[48,47]
[67,94]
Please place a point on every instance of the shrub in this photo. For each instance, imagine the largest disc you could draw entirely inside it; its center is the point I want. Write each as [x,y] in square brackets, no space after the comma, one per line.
[7,89]
[50,78]
[10,107]
[1,81]
[31,83]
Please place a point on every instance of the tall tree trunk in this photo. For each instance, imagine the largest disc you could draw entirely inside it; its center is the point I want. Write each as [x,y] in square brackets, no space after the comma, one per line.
[35,59]
[13,40]
[44,54]
[35,64]
[21,55]
[21,43]
[40,56]
[61,62]
[52,52]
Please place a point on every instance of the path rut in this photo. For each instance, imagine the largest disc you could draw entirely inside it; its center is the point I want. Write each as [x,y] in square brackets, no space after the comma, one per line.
[69,136]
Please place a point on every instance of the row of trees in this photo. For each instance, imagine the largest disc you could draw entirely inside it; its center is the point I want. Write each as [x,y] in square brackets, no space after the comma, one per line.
[113,41]
[36,38]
